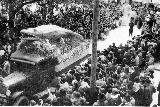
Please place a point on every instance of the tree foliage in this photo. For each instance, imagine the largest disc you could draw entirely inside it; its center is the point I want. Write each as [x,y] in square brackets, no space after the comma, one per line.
[15,17]
[9,31]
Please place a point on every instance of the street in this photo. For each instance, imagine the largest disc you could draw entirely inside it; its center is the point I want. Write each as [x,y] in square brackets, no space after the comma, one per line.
[118,36]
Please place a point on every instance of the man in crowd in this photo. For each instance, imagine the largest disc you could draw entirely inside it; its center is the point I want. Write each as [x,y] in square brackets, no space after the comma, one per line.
[131,25]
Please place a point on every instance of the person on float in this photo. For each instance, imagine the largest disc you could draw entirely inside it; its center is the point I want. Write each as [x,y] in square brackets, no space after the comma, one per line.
[6,67]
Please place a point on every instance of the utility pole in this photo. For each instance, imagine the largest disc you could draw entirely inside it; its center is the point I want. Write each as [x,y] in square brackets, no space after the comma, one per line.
[95,31]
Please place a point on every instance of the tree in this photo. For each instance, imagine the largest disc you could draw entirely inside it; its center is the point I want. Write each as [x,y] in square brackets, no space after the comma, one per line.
[12,8]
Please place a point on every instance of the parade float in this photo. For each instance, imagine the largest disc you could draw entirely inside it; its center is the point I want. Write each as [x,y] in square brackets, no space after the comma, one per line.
[43,53]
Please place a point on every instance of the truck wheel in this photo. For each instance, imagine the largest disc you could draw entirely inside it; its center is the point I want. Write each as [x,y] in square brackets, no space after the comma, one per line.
[21,101]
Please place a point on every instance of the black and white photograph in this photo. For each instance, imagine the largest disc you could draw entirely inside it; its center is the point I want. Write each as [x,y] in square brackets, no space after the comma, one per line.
[80,53]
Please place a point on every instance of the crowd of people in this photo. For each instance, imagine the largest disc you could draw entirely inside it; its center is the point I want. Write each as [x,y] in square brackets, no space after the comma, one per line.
[123,76]
[76,17]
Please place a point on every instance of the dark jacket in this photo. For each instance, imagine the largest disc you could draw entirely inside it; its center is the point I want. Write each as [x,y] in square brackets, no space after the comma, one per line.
[148,92]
